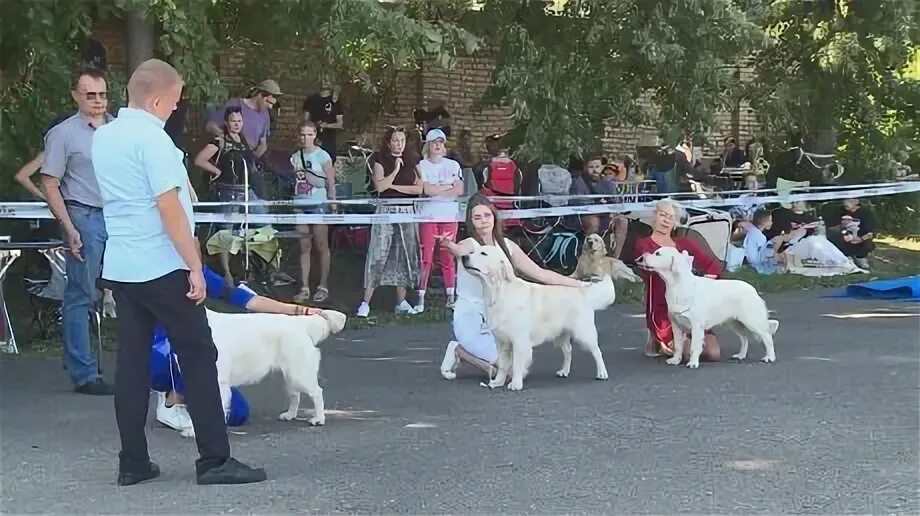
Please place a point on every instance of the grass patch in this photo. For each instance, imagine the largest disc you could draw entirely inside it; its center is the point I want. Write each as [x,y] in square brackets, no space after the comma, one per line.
[893,257]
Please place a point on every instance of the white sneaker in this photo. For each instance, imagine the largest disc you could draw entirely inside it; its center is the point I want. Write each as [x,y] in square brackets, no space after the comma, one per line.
[449,364]
[175,417]
[364,310]
[405,308]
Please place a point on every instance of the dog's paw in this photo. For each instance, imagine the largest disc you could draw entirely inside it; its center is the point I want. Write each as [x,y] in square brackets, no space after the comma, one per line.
[287,416]
[739,357]
[693,364]
[515,385]
[673,361]
[317,421]
[495,384]
[562,373]
[601,376]
[769,359]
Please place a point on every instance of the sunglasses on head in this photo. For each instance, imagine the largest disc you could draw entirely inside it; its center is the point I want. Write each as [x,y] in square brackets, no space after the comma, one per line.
[397,128]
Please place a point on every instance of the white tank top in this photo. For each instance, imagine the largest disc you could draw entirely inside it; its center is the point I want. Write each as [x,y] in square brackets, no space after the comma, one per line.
[470,296]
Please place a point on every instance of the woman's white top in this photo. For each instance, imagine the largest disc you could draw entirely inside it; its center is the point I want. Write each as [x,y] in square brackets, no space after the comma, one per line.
[443,173]
[470,295]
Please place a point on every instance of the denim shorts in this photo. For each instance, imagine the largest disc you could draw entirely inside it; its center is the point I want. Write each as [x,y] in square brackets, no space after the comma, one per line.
[314,209]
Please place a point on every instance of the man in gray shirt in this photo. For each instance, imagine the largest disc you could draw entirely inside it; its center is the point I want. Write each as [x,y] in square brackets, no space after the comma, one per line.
[69,185]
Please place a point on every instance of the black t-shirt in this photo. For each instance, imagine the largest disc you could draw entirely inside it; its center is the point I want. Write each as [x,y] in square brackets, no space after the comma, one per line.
[405,177]
[785,220]
[175,124]
[327,110]
[863,216]
[235,160]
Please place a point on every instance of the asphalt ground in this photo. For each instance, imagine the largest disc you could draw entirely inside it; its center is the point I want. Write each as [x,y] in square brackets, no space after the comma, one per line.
[831,427]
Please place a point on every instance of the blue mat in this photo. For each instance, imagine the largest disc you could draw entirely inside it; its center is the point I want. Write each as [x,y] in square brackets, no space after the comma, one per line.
[905,289]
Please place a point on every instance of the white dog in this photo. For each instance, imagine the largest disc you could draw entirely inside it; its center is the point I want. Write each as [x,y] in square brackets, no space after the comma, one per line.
[523,315]
[251,345]
[698,304]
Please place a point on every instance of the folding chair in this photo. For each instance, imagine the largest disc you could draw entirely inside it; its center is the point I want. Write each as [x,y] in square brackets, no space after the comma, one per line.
[551,241]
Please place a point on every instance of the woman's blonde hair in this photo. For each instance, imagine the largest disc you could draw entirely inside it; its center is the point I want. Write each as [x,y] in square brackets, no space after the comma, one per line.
[671,205]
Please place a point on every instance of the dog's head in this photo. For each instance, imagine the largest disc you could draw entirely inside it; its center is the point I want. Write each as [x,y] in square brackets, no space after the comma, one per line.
[335,320]
[594,245]
[489,264]
[666,259]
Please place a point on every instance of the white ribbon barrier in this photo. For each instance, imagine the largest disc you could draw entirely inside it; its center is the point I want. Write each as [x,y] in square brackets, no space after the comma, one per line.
[39,210]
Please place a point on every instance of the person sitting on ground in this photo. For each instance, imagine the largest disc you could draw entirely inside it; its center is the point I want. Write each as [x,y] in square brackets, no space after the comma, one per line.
[789,218]
[668,214]
[760,253]
[475,344]
[166,379]
[852,229]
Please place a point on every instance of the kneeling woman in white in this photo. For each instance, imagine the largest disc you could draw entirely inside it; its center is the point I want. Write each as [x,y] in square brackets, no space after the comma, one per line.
[474,342]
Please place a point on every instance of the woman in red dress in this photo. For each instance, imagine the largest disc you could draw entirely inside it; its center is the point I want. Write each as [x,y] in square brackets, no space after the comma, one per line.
[666,216]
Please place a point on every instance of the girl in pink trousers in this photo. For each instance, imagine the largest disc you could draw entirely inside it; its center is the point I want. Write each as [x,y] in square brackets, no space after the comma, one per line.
[442,184]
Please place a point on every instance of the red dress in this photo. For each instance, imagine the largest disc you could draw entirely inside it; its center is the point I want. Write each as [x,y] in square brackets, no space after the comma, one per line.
[656,307]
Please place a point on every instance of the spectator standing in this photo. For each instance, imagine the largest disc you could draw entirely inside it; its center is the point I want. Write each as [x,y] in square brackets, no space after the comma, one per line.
[325,110]
[393,252]
[852,229]
[442,183]
[229,160]
[153,263]
[70,188]
[257,122]
[314,181]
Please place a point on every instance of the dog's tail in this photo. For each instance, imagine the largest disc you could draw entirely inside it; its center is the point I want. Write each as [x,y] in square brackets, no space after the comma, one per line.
[601,294]
[774,325]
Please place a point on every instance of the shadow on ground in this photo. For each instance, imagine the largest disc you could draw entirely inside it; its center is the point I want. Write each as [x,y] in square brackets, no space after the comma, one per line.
[831,427]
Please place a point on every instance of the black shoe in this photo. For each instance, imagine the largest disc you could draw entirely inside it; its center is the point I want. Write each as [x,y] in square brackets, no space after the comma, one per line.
[95,388]
[231,471]
[129,478]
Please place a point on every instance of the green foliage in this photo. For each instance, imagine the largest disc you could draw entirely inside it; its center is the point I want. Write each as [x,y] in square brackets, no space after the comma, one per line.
[569,68]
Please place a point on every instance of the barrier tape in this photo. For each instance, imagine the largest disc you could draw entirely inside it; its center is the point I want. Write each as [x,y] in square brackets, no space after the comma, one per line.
[39,210]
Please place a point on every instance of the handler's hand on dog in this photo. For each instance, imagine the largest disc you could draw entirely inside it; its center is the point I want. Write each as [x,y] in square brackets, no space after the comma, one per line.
[197,289]
[444,236]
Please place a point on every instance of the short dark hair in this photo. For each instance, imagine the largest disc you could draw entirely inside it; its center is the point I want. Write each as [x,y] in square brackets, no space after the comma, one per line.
[93,72]
[602,159]
[760,216]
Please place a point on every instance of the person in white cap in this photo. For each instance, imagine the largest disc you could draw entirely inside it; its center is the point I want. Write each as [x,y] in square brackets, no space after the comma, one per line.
[442,183]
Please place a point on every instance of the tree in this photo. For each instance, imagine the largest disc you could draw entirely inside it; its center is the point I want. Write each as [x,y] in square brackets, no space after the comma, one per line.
[838,71]
[362,40]
[568,68]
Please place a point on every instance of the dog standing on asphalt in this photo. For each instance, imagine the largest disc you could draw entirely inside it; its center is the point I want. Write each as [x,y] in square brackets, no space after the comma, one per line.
[698,304]
[523,315]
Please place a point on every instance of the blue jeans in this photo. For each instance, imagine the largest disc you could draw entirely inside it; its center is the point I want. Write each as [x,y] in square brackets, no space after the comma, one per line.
[227,193]
[80,293]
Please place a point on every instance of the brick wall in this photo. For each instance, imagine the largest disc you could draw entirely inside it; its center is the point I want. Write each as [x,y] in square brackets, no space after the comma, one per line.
[298,73]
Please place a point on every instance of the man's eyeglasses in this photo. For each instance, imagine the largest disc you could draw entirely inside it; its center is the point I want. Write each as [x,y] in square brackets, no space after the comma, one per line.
[93,95]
